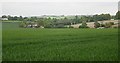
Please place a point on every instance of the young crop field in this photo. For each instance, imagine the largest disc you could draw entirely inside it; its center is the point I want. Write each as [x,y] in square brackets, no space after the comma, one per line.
[62,44]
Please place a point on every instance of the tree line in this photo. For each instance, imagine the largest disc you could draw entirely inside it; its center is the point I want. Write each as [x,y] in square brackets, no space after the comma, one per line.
[91,18]
[54,22]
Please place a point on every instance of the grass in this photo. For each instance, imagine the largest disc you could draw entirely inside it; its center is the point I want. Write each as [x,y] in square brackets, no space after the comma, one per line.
[26,44]
[8,21]
[0,41]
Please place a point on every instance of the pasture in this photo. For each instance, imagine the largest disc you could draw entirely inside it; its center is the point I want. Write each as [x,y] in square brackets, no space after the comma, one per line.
[28,44]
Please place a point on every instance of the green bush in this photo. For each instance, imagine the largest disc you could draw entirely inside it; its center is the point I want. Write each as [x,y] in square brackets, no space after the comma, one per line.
[96,24]
[23,24]
[109,24]
[71,27]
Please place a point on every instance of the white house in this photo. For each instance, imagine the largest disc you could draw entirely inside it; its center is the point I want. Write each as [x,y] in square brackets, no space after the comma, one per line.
[4,18]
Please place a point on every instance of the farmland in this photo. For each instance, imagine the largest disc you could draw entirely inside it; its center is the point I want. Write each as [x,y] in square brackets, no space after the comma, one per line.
[0,41]
[58,44]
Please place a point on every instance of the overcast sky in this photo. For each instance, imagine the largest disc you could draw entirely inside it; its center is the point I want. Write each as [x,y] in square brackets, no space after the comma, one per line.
[59,0]
[55,7]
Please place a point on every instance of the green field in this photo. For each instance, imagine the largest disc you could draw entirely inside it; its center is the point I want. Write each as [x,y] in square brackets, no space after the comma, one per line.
[0,41]
[28,44]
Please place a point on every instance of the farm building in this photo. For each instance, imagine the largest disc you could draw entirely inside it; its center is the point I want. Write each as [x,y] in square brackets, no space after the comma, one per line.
[4,19]
[30,24]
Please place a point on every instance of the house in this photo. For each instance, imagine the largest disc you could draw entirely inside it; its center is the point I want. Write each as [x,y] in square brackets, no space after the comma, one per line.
[111,19]
[41,27]
[4,19]
[31,24]
[35,25]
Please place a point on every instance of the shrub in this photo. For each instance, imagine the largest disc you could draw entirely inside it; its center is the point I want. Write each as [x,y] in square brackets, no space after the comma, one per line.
[71,27]
[102,25]
[48,26]
[96,24]
[23,24]
[84,25]
[60,26]
[109,24]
